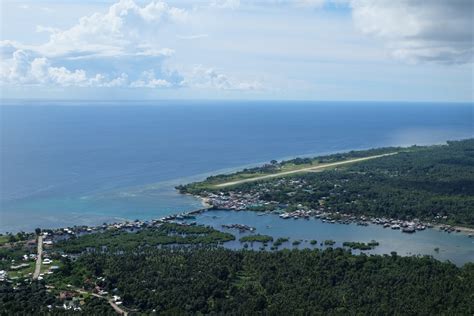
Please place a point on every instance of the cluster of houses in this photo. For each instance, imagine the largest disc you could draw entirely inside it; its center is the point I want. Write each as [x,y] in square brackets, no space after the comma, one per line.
[405,226]
[234,200]
[51,236]
[241,201]
[245,200]
[71,301]
[341,218]
[3,275]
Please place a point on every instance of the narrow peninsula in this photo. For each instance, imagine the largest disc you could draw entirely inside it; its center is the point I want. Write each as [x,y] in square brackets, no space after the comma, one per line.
[391,186]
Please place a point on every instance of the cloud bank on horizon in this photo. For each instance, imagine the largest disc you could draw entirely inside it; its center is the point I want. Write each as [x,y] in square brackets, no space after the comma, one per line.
[302,49]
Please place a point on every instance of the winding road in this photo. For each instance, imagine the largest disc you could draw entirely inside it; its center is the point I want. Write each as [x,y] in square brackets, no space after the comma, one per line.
[306,169]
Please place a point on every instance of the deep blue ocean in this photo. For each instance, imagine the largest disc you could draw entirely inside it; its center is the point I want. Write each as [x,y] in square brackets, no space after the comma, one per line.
[67,163]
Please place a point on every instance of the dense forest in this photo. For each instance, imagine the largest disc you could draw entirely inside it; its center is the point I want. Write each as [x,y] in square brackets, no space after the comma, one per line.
[213,281]
[164,234]
[433,183]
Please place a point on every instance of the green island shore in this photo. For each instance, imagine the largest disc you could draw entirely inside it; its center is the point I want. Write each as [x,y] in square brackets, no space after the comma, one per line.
[168,268]
[139,272]
[434,184]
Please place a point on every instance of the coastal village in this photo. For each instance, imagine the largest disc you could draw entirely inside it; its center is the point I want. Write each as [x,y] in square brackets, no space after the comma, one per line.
[228,200]
[72,298]
[239,201]
[39,261]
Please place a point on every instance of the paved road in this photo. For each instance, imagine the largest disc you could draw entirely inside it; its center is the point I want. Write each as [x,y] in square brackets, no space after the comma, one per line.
[38,258]
[307,169]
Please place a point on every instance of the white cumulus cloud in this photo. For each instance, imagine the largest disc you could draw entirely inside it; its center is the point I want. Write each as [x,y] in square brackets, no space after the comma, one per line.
[420,30]
[108,49]
[209,78]
[26,70]
[122,30]
[148,80]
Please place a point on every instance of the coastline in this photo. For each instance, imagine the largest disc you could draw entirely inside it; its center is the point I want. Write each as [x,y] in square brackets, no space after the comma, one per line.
[206,204]
[241,199]
[462,229]
[296,225]
[205,201]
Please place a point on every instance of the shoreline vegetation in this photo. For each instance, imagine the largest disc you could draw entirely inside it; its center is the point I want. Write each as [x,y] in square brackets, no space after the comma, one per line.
[419,186]
[443,227]
[200,191]
[136,267]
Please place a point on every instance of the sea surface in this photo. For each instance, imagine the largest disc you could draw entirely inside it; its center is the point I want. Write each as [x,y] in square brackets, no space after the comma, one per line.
[65,163]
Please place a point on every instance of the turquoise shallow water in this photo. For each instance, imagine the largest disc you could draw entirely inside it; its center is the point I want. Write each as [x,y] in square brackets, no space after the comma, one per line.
[68,163]
[455,247]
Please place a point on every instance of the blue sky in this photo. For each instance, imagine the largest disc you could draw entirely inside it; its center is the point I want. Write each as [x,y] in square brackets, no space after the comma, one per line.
[410,50]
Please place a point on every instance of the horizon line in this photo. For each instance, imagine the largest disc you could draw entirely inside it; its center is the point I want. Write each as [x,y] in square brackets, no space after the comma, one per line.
[230,100]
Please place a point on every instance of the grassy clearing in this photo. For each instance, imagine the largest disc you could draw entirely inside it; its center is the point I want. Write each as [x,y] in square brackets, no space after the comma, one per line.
[24,272]
[3,240]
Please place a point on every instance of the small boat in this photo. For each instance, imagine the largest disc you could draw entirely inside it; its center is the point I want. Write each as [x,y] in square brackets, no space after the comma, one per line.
[409,229]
